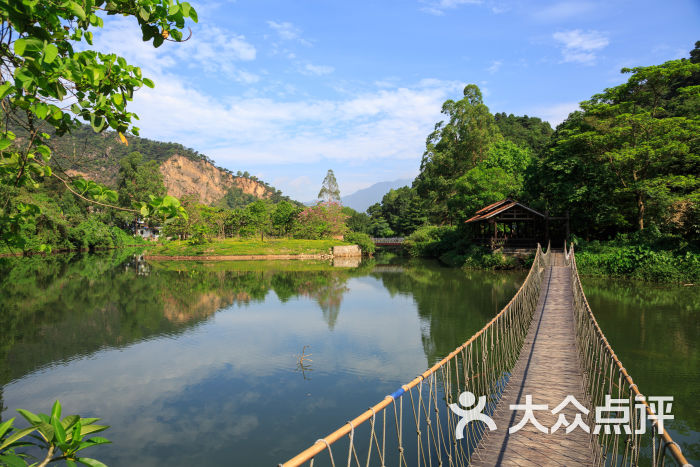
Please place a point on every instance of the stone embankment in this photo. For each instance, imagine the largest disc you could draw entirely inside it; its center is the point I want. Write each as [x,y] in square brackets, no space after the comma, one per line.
[346,251]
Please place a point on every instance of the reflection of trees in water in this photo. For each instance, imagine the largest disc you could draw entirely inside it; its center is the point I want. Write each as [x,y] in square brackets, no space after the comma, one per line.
[655,332]
[63,306]
[452,304]
[60,307]
[328,296]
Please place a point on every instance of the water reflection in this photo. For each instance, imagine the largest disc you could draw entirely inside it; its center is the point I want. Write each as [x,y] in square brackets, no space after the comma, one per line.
[654,331]
[209,352]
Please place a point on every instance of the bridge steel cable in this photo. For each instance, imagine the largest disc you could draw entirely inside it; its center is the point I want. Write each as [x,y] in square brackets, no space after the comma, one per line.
[413,425]
[604,375]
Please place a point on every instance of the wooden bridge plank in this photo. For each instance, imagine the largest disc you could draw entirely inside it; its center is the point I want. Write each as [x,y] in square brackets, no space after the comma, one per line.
[548,369]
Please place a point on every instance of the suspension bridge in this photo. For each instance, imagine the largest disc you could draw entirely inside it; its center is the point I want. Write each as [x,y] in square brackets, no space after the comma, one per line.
[388,241]
[543,350]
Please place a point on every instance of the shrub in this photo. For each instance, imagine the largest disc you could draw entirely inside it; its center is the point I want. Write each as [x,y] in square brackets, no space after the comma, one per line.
[91,234]
[478,257]
[363,240]
[638,262]
[430,240]
[200,235]
[121,238]
[323,220]
[445,242]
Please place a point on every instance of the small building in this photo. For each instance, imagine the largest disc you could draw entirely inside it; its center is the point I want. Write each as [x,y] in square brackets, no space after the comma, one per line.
[144,230]
[509,224]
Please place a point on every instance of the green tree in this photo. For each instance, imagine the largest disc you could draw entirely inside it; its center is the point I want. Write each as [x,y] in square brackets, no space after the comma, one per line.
[633,151]
[184,226]
[501,175]
[403,210]
[259,215]
[526,132]
[378,225]
[356,221]
[283,217]
[453,148]
[329,188]
[50,80]
[235,198]
[137,180]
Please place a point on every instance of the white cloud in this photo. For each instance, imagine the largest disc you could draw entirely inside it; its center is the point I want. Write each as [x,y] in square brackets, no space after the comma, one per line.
[495,66]
[497,8]
[261,126]
[210,49]
[580,46]
[380,123]
[287,31]
[316,70]
[438,7]
[556,113]
[563,11]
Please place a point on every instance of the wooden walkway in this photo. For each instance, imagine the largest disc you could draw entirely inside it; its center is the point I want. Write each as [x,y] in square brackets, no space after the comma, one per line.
[549,370]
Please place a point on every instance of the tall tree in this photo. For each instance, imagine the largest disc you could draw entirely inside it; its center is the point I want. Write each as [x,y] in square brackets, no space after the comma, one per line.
[329,188]
[527,132]
[259,214]
[633,151]
[283,217]
[403,210]
[453,148]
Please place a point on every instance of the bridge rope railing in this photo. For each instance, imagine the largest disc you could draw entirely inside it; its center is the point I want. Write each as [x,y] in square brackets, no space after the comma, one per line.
[604,375]
[414,425]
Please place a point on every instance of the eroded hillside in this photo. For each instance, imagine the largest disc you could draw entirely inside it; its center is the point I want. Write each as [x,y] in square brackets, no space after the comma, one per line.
[184,176]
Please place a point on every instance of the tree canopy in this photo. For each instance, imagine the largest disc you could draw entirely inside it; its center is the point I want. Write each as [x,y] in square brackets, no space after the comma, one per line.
[453,148]
[50,78]
[630,157]
[329,188]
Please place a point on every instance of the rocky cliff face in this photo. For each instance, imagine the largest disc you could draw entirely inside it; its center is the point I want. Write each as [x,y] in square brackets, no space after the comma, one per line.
[184,176]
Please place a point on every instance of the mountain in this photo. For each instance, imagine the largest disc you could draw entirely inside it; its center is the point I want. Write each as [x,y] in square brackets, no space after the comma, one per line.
[364,198]
[96,156]
[183,176]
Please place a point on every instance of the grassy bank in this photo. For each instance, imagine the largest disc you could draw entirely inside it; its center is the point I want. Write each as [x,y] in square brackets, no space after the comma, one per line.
[240,247]
[638,262]
[648,255]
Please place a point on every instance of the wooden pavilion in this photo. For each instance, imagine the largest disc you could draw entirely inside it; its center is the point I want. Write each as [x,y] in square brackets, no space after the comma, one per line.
[510,224]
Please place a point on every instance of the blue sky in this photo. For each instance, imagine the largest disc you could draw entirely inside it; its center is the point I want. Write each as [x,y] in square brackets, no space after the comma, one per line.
[288,89]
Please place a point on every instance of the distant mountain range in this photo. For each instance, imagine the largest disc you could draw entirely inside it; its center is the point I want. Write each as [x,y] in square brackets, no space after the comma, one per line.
[362,199]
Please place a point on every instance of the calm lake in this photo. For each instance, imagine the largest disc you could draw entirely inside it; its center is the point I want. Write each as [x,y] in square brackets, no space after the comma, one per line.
[197,363]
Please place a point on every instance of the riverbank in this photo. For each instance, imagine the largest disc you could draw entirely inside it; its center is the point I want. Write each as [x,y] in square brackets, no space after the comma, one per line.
[246,249]
[237,257]
[7,253]
[639,262]
[648,256]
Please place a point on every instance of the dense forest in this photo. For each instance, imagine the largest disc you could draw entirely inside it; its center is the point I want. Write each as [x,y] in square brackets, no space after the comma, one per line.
[628,160]
[624,167]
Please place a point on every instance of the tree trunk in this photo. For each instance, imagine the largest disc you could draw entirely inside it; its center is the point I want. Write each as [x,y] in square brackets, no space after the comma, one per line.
[640,211]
